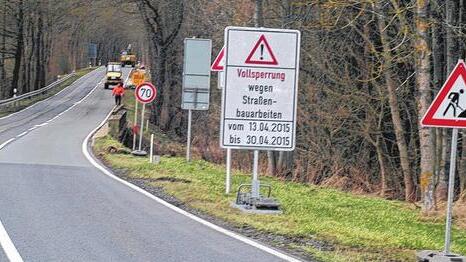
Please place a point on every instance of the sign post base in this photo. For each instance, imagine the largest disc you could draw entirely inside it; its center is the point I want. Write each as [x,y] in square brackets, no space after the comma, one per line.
[139,153]
[435,256]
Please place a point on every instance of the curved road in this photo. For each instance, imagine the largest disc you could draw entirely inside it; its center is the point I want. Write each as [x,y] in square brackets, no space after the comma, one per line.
[56,206]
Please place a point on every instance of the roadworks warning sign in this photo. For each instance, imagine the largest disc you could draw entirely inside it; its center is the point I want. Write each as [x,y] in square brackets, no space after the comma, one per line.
[261,87]
[448,109]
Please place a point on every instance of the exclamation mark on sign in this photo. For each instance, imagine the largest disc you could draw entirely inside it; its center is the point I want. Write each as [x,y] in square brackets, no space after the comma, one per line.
[262,51]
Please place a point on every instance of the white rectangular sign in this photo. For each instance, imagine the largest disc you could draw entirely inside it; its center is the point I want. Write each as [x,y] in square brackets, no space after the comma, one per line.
[261,88]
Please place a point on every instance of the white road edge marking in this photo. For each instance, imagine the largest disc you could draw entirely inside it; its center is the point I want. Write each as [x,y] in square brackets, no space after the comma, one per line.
[22,134]
[10,250]
[229,233]
[7,142]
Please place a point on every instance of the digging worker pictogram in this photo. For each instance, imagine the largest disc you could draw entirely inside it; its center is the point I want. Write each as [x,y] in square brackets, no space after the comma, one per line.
[454,102]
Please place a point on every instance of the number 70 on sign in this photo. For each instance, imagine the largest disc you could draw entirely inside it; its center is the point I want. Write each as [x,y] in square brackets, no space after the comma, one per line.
[146,93]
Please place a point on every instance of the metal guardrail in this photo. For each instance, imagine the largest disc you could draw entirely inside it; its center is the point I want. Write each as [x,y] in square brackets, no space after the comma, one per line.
[15,100]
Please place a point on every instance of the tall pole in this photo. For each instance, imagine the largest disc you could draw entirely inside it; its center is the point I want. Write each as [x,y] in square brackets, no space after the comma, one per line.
[255,187]
[188,146]
[258,14]
[142,126]
[228,176]
[255,176]
[135,124]
[451,188]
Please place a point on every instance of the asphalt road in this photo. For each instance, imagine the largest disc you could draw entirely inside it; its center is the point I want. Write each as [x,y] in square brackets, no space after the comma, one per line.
[56,206]
[3,257]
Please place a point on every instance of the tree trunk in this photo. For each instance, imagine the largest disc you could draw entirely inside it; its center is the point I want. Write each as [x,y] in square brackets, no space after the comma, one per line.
[442,187]
[30,45]
[451,59]
[19,47]
[423,83]
[410,194]
[382,168]
[5,92]
[259,14]
[271,163]
[160,75]
[38,53]
[462,166]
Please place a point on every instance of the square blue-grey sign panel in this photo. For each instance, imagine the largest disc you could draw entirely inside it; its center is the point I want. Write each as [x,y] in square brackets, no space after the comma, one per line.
[196,74]
[92,50]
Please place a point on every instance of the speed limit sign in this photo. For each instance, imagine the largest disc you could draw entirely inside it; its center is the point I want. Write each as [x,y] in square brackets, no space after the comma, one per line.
[146,92]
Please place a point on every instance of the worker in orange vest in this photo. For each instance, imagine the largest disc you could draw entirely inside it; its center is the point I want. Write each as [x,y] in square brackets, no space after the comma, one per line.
[118,92]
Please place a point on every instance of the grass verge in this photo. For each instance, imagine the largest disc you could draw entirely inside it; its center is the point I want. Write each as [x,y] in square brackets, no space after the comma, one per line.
[28,102]
[357,228]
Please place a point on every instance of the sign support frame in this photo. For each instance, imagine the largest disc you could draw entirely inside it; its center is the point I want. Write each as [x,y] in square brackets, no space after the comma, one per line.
[255,185]
[218,67]
[188,143]
[135,123]
[142,126]
[228,172]
[451,189]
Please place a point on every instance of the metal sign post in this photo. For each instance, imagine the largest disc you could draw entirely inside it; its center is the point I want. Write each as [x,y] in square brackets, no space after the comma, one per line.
[196,80]
[135,123]
[255,188]
[451,189]
[218,66]
[141,131]
[228,176]
[188,146]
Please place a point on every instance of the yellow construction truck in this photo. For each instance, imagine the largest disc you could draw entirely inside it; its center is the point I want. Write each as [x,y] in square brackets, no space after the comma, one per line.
[128,57]
[113,76]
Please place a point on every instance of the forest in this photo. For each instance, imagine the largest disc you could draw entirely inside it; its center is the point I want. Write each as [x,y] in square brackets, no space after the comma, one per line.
[368,72]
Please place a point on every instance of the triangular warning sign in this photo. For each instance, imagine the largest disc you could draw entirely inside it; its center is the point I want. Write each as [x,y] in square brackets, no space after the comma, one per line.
[219,62]
[261,54]
[449,106]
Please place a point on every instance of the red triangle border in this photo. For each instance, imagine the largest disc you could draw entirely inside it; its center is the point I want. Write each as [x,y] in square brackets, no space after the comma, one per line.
[249,59]
[428,119]
[216,65]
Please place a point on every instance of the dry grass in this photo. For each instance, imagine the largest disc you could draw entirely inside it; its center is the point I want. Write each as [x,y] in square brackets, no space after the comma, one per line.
[460,212]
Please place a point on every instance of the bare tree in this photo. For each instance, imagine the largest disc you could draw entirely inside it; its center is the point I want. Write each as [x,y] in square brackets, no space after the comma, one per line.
[423,79]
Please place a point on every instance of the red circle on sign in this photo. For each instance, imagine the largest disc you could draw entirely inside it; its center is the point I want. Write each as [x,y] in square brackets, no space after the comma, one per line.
[146,92]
